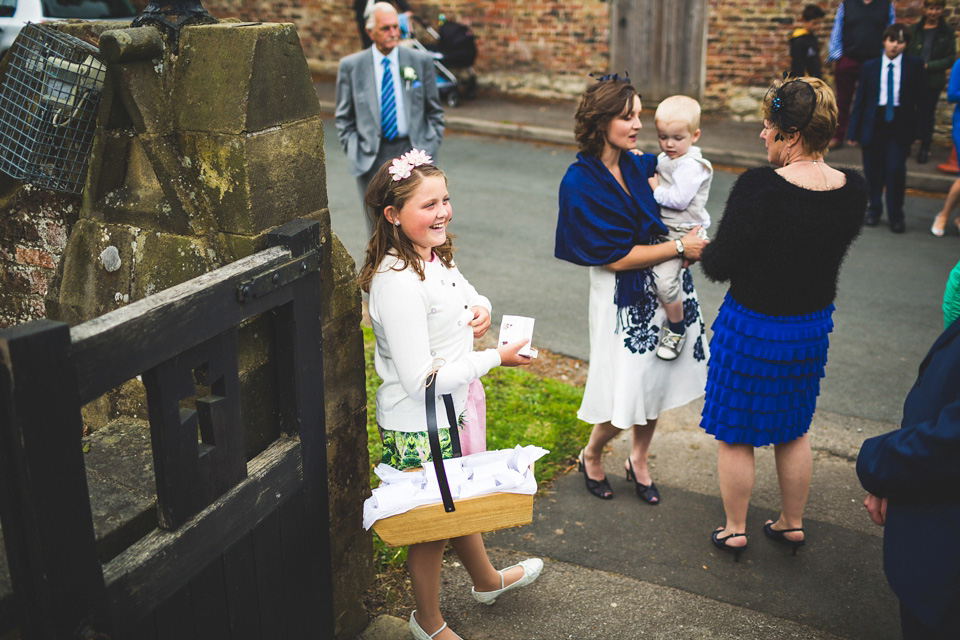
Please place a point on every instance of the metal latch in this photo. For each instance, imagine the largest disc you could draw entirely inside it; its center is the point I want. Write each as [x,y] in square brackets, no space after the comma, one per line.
[275,278]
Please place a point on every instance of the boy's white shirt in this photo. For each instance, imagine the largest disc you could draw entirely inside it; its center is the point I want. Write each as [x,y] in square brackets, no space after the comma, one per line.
[897,70]
[690,172]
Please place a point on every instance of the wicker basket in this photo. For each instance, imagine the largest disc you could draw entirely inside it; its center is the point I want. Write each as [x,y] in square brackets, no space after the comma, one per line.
[473,515]
[448,518]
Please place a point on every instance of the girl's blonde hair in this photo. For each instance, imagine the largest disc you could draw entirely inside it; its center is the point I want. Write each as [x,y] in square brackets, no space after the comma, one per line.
[679,109]
[387,238]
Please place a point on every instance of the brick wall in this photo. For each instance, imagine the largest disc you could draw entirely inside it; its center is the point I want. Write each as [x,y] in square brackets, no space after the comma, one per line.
[538,44]
[515,37]
[34,226]
[747,40]
[514,34]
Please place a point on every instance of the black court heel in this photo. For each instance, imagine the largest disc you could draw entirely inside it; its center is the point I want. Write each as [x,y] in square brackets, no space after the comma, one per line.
[721,543]
[777,534]
[599,488]
[647,493]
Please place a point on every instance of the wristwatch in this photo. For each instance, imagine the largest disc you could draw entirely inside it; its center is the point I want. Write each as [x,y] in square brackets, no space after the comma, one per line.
[679,246]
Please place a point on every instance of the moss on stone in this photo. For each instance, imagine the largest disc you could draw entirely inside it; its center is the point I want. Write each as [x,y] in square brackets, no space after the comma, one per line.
[236,246]
[165,260]
[255,182]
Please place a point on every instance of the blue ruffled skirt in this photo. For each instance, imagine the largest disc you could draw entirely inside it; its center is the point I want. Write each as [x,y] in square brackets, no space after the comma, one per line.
[763,377]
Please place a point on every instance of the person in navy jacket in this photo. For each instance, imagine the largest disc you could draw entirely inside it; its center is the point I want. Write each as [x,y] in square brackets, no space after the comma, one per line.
[912,475]
[886,131]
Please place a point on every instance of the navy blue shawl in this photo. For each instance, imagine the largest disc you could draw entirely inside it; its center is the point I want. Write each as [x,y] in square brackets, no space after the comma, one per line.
[600,223]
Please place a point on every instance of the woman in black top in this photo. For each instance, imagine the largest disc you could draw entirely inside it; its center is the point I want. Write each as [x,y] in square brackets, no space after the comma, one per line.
[780,243]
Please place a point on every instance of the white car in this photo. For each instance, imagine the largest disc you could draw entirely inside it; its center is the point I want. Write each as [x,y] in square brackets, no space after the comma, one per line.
[16,13]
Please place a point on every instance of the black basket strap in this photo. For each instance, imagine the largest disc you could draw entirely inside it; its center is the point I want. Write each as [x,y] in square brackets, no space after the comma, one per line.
[435,451]
[454,427]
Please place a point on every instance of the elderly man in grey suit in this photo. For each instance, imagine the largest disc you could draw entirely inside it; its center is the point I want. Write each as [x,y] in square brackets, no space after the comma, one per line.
[387,101]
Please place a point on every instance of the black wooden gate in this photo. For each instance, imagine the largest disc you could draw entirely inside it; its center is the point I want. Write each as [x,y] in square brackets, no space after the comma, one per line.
[242,549]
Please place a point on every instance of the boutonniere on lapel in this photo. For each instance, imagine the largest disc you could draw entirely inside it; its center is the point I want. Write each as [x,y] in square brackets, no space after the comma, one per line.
[410,77]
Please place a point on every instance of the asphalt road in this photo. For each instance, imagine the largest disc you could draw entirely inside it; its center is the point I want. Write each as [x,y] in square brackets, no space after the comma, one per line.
[504,196]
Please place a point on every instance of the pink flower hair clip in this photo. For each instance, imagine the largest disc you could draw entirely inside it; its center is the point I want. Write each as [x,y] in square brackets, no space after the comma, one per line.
[402,166]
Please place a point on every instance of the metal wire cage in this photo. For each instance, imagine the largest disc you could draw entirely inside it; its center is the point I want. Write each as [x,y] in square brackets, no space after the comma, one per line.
[48,108]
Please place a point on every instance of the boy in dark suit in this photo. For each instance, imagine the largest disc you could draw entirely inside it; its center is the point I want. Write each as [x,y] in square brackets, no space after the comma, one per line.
[884,122]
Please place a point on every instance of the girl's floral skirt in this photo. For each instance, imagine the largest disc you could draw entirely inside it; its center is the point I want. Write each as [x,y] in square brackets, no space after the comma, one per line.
[410,449]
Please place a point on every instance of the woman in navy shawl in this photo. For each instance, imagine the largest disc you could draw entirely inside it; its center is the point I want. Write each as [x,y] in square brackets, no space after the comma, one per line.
[609,221]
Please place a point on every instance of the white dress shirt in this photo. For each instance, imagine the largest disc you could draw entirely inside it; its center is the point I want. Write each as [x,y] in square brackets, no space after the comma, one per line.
[885,63]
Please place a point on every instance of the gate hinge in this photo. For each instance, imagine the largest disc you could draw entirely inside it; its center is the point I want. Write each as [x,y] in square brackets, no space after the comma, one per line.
[268,281]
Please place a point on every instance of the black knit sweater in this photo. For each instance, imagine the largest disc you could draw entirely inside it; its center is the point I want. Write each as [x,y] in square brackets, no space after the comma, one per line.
[781,245]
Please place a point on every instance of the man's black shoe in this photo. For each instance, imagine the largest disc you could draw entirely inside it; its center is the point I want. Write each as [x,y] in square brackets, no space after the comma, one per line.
[924,154]
[897,227]
[871,220]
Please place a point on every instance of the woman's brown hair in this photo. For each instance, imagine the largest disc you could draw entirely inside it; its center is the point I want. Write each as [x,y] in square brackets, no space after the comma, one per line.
[387,238]
[601,103]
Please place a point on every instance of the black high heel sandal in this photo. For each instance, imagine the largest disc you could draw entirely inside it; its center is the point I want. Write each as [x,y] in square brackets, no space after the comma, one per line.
[777,534]
[721,543]
[647,493]
[599,488]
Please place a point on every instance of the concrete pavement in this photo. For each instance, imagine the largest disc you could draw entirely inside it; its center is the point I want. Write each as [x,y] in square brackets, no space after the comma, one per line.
[621,569]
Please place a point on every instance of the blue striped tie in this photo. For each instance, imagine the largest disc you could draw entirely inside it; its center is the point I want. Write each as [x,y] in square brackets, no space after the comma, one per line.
[888,112]
[388,103]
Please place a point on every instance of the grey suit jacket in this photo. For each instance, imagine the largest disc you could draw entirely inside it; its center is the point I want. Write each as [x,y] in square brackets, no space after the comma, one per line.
[357,113]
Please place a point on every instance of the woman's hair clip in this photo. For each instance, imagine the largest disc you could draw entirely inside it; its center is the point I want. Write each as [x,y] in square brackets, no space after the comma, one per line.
[792,106]
[612,77]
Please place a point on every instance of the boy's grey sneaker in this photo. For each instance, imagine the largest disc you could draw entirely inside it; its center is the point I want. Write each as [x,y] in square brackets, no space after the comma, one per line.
[670,343]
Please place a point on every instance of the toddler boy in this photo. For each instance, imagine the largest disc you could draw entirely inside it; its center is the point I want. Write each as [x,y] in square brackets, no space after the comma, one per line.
[680,187]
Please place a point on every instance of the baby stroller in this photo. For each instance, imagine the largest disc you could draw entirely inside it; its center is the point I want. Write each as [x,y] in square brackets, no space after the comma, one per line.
[454,51]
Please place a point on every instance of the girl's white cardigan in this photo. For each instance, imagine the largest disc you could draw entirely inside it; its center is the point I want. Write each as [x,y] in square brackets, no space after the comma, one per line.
[422,326]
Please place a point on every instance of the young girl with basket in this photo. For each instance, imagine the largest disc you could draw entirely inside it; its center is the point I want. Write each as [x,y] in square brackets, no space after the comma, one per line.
[425,316]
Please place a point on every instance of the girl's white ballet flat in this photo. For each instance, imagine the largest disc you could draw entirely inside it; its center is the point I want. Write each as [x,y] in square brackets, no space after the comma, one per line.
[531,571]
[420,634]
